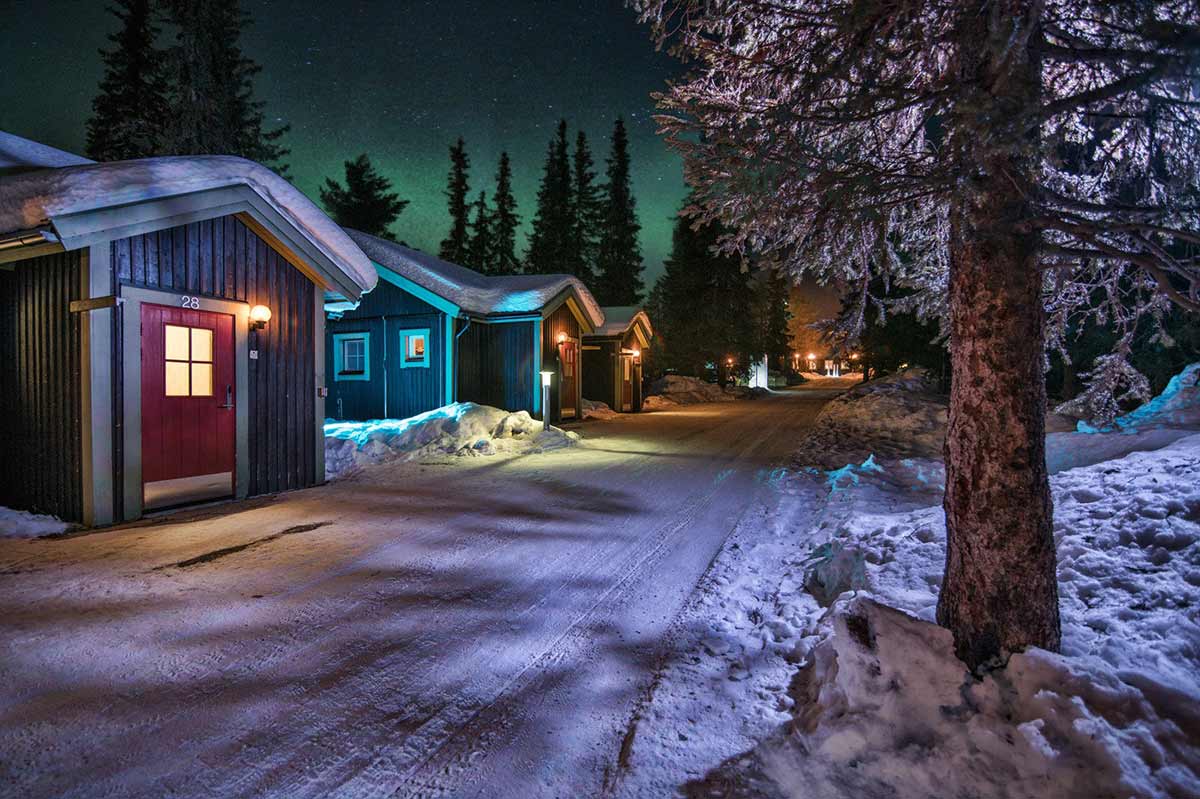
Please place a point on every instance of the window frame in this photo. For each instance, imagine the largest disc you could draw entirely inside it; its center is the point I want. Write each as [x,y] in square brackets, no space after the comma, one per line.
[410,333]
[339,340]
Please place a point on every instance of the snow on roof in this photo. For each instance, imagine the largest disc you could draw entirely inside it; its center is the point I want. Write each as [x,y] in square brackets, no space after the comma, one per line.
[619,318]
[33,199]
[475,293]
[22,155]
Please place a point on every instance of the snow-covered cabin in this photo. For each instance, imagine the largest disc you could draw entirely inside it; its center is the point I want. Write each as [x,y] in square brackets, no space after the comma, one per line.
[433,332]
[612,358]
[161,331]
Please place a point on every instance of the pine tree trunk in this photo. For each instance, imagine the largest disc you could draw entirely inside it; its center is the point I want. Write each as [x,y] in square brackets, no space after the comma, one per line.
[1000,590]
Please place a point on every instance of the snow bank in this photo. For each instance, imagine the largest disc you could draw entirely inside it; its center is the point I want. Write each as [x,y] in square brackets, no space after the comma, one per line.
[899,416]
[1177,406]
[463,428]
[680,390]
[23,524]
[891,711]
[598,410]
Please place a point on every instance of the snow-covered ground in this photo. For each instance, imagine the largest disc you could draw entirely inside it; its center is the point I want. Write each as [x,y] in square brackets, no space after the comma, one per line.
[463,428]
[422,627]
[593,409]
[22,524]
[770,693]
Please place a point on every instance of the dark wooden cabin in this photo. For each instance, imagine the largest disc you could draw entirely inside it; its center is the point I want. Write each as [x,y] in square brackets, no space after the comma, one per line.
[488,338]
[137,367]
[612,358]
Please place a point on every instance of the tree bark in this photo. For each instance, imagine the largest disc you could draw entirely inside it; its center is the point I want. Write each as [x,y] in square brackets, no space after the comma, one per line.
[1000,591]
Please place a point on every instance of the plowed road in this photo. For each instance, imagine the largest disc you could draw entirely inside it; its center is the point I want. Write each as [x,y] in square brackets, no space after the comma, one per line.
[481,627]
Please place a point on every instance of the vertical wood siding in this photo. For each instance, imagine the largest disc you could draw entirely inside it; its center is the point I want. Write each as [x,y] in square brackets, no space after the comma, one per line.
[224,259]
[383,313]
[561,321]
[495,365]
[40,396]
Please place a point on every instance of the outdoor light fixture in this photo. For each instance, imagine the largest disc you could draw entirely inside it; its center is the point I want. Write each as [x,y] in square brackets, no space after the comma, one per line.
[811,356]
[561,338]
[546,379]
[637,353]
[546,398]
[259,316]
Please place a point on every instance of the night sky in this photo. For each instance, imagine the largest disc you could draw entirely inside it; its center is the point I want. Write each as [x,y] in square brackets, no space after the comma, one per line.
[399,81]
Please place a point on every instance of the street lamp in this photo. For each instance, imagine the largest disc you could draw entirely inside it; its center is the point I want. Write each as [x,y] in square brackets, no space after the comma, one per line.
[546,397]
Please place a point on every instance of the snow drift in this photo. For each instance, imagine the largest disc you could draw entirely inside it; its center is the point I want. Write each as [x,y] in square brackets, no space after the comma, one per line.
[598,410]
[680,390]
[463,428]
[899,416]
[23,524]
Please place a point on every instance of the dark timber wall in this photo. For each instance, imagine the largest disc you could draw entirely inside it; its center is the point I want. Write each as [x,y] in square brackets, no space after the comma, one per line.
[495,365]
[562,321]
[224,259]
[383,313]
[40,413]
[600,371]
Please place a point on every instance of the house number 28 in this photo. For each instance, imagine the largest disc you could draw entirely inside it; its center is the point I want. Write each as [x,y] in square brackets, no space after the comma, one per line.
[189,302]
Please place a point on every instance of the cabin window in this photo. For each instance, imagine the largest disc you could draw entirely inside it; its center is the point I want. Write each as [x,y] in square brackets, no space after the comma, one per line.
[352,356]
[187,357]
[414,348]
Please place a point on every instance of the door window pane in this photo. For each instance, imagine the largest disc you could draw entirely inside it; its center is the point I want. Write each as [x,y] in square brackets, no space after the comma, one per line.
[177,379]
[202,344]
[202,380]
[175,343]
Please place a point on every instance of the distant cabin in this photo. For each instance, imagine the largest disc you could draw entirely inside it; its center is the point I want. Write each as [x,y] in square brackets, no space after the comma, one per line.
[432,333]
[162,331]
[612,358]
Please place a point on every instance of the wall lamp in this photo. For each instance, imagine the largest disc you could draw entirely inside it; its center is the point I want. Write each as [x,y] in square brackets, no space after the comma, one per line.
[259,316]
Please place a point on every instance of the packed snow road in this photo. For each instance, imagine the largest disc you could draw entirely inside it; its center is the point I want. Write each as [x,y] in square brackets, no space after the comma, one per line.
[479,627]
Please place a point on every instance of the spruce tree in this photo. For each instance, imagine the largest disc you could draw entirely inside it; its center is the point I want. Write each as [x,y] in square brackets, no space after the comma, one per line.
[212,109]
[619,260]
[770,315]
[549,240]
[585,213]
[454,246]
[479,240]
[128,112]
[505,221]
[366,202]
[703,303]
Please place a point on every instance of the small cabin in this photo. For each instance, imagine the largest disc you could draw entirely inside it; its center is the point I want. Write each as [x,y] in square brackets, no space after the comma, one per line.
[432,333]
[162,331]
[612,358]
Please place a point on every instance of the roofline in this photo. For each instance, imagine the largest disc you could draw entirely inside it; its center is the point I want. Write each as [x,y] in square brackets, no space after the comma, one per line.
[633,323]
[107,223]
[416,289]
[569,296]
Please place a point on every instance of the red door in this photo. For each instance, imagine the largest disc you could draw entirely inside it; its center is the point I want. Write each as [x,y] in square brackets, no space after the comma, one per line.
[189,396]
[568,357]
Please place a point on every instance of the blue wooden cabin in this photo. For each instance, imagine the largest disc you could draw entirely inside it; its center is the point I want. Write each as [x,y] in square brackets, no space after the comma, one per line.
[432,333]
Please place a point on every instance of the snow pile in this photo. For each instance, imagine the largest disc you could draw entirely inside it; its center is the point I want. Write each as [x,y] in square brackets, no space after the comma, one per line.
[19,155]
[598,410]
[681,390]
[1177,406]
[899,416]
[891,711]
[463,428]
[23,524]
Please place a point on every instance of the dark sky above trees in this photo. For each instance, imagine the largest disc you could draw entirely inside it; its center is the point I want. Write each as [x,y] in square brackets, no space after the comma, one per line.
[399,81]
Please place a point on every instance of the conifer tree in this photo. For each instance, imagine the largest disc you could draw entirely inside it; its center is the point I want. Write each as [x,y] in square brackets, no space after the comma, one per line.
[128,112]
[549,241]
[770,315]
[619,260]
[366,202]
[585,213]
[212,108]
[479,240]
[454,246]
[505,222]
